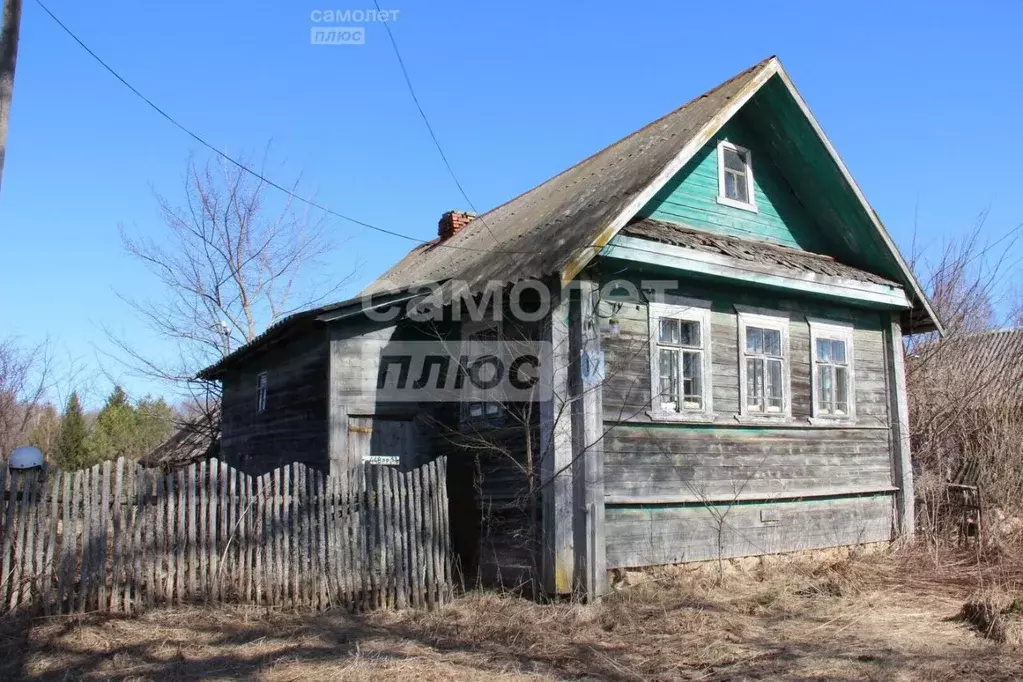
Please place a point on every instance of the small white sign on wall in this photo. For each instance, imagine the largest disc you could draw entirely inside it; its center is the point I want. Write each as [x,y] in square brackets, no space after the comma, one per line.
[382,460]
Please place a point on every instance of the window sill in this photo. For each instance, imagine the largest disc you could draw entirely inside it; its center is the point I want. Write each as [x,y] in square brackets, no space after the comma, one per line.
[725,201]
[681,417]
[765,419]
[833,421]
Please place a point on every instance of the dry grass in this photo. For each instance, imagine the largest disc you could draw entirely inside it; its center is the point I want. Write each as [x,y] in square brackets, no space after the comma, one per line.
[879,617]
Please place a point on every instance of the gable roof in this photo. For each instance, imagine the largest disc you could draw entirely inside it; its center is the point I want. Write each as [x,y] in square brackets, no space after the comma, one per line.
[558,227]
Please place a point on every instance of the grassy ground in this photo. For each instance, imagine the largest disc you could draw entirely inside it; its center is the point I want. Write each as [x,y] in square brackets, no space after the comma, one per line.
[872,618]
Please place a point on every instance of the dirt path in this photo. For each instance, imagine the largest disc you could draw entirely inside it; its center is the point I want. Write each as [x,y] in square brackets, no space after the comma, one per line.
[802,627]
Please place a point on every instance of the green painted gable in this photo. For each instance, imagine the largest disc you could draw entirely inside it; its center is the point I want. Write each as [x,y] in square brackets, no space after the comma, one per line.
[690,198]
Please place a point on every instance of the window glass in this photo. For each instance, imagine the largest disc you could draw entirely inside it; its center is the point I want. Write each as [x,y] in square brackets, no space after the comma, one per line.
[832,376]
[679,356]
[765,370]
[736,175]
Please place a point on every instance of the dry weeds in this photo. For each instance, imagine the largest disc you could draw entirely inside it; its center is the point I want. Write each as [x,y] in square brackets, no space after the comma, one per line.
[876,617]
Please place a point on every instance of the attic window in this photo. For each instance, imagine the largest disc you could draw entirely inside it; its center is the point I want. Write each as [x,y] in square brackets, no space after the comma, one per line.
[735,176]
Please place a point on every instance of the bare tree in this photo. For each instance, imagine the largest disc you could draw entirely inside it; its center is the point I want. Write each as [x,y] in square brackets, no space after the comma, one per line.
[963,390]
[24,379]
[9,32]
[230,263]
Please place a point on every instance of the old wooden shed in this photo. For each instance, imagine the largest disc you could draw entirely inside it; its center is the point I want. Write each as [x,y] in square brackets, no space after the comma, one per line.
[720,315]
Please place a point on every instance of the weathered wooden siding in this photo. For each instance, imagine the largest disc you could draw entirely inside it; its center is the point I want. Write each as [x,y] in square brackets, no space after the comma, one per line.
[643,536]
[293,428]
[627,389]
[665,483]
[690,197]
[722,463]
[493,511]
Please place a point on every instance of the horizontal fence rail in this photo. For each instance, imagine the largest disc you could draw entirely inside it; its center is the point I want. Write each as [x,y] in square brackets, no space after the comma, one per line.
[120,538]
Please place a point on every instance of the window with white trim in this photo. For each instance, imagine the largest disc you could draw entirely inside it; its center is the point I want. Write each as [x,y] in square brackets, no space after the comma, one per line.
[479,407]
[764,365]
[831,348]
[735,176]
[680,369]
[261,386]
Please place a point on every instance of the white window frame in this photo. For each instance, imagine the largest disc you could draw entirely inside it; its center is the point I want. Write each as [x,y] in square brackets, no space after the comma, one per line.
[773,320]
[686,310]
[747,157]
[487,419]
[262,389]
[839,331]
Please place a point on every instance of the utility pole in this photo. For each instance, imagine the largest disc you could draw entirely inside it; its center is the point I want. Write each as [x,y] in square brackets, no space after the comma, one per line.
[10,29]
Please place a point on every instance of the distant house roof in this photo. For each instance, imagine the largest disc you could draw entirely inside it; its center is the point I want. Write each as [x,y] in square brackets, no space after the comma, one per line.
[990,360]
[748,250]
[193,441]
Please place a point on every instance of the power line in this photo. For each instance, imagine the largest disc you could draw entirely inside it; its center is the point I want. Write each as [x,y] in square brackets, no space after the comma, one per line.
[422,114]
[241,165]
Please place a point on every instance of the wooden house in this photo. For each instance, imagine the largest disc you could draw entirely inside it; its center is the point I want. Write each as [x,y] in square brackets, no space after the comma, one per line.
[724,314]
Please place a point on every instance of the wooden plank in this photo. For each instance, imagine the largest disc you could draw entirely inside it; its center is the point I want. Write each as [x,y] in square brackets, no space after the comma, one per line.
[245,485]
[300,540]
[86,507]
[338,568]
[23,558]
[386,541]
[304,553]
[160,536]
[364,506]
[419,550]
[42,525]
[401,537]
[445,529]
[180,534]
[424,506]
[103,531]
[173,540]
[116,582]
[435,534]
[286,572]
[259,544]
[67,541]
[277,566]
[49,573]
[231,526]
[201,537]
[8,488]
[322,534]
[214,528]
[137,541]
[191,537]
[902,465]
[379,572]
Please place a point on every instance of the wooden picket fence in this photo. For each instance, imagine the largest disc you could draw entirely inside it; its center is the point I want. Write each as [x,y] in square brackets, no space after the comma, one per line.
[120,538]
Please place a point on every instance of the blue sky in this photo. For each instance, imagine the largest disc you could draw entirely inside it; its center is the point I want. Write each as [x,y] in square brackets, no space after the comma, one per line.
[921,99]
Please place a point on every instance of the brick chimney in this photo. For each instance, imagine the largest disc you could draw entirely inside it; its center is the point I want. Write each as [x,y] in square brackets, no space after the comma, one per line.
[453,221]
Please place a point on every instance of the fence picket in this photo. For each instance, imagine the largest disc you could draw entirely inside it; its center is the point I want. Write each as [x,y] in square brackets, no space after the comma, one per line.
[259,546]
[23,536]
[281,534]
[321,538]
[292,537]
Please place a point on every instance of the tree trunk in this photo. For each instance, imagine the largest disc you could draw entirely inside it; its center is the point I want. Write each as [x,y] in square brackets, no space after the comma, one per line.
[9,32]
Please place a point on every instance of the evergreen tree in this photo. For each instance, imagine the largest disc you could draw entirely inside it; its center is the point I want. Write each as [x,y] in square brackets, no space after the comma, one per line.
[71,451]
[154,424]
[113,432]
